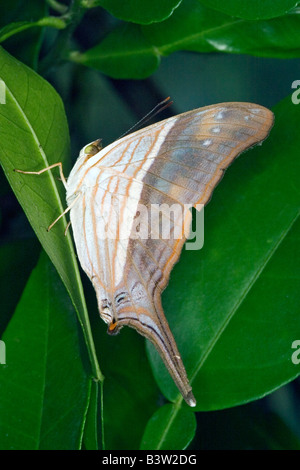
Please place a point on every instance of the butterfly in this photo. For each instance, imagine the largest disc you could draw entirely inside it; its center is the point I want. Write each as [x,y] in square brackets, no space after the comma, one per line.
[178,161]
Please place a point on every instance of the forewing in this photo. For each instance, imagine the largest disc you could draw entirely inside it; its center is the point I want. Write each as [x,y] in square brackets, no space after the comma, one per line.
[180,161]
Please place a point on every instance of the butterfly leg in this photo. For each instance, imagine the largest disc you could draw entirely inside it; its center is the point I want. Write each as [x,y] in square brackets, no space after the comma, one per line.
[67,228]
[59,164]
[64,213]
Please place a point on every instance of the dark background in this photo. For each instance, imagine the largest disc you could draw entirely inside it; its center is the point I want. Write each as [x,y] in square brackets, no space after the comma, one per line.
[100,107]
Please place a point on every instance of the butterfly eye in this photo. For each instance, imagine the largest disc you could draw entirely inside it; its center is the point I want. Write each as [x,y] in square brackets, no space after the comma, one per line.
[93,148]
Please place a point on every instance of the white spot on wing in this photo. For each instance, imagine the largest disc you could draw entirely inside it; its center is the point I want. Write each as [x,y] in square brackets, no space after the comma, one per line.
[219,116]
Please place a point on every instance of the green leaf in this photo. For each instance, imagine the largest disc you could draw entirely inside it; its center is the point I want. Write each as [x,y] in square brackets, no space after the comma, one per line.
[196,28]
[34,134]
[170,428]
[124,53]
[252,9]
[234,305]
[43,384]
[133,51]
[149,11]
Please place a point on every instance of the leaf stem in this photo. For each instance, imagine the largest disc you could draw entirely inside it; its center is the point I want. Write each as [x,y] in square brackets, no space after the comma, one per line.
[102,416]
[86,327]
[176,408]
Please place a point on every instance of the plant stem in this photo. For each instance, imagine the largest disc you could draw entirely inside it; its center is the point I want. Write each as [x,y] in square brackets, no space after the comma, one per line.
[56,6]
[61,44]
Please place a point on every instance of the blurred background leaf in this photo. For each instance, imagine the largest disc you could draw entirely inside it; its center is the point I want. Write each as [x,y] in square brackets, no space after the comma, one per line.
[15,268]
[252,9]
[124,53]
[150,11]
[18,27]
[25,46]
[132,51]
[196,28]
[44,379]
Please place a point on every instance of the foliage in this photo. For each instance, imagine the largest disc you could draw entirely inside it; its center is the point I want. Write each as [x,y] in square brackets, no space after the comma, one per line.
[234,315]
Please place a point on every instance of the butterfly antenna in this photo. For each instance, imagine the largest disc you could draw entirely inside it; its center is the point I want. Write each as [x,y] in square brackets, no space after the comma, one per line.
[157,109]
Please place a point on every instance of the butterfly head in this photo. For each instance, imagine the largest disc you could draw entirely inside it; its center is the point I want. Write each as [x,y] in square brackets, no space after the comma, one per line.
[91,149]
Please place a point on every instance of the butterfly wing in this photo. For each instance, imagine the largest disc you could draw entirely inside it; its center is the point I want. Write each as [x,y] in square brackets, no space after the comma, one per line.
[170,164]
